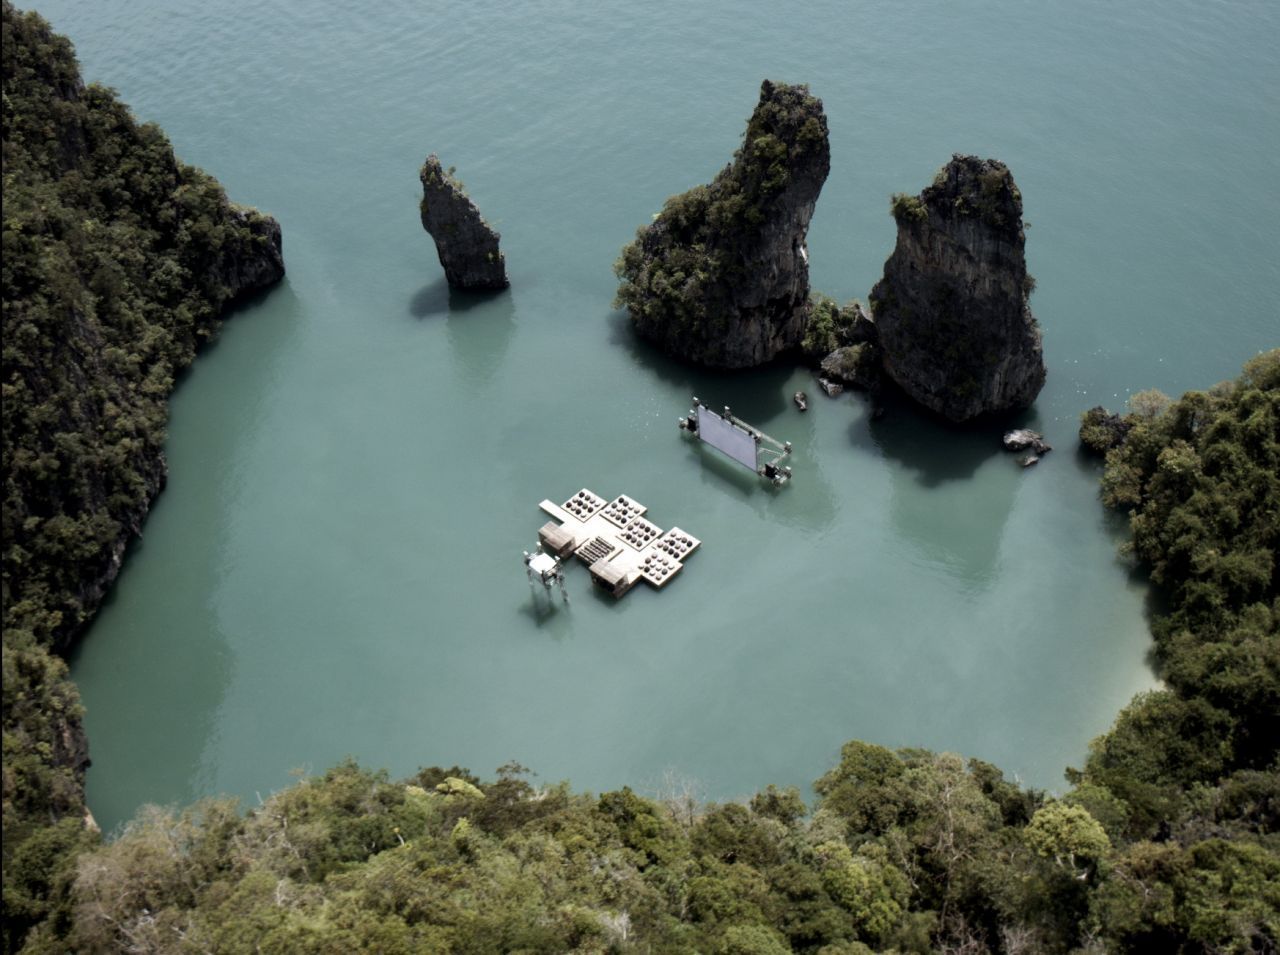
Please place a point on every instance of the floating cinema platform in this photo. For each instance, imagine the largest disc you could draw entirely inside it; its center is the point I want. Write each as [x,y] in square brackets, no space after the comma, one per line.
[613,538]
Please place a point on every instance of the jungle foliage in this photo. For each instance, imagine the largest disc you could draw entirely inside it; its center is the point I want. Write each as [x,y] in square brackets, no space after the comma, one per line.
[115,268]
[1167,840]
[829,326]
[681,268]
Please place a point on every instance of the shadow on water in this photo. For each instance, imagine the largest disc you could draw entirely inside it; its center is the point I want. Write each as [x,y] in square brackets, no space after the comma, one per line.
[431,299]
[1114,524]
[934,450]
[480,331]
[548,610]
[439,298]
[757,395]
[277,300]
[156,663]
[480,325]
[727,476]
[952,515]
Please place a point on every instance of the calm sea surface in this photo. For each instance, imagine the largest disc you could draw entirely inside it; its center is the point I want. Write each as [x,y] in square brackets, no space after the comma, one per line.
[334,568]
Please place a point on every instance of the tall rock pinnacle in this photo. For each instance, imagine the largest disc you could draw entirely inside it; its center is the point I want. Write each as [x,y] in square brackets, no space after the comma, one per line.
[467,246]
[957,333]
[721,276]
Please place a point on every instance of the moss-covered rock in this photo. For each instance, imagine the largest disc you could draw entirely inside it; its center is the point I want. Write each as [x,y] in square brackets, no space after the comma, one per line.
[721,276]
[830,326]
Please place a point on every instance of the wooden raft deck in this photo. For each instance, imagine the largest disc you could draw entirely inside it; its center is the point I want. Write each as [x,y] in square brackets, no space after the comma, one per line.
[613,538]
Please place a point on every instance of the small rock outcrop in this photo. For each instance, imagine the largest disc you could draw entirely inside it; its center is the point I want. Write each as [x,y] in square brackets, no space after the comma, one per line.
[830,326]
[251,257]
[957,333]
[1022,438]
[857,366]
[721,276]
[466,244]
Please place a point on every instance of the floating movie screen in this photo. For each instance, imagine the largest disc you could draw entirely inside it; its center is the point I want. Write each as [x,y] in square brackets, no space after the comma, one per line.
[726,437]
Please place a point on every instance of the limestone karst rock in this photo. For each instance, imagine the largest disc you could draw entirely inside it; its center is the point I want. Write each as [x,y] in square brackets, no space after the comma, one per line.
[466,244]
[721,276]
[957,333]
[252,258]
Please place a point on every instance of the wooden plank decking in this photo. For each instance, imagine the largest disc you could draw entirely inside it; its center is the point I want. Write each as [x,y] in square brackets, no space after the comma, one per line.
[617,543]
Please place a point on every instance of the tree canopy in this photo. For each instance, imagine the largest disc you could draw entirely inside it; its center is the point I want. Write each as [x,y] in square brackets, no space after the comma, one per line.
[113,272]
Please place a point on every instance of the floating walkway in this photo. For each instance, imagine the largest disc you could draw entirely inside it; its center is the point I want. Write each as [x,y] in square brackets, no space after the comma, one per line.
[613,538]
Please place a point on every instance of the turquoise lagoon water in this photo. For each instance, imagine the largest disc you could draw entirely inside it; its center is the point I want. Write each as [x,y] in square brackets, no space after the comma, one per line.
[334,568]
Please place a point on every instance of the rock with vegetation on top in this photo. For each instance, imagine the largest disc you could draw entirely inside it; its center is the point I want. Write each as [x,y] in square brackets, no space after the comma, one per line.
[253,260]
[952,313]
[466,244]
[1100,430]
[830,326]
[855,365]
[721,276]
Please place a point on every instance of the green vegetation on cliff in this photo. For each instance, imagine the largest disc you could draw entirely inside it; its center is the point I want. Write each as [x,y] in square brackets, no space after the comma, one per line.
[1200,478]
[829,326]
[117,262]
[1167,842]
[719,277]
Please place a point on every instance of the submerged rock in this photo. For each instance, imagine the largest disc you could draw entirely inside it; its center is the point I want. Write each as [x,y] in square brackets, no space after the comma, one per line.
[466,244]
[952,313]
[721,276]
[801,400]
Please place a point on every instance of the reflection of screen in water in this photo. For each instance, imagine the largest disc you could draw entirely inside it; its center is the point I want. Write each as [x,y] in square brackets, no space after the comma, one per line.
[727,437]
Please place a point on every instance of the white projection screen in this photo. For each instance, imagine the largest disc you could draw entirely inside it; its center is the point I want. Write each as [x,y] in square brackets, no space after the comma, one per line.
[726,437]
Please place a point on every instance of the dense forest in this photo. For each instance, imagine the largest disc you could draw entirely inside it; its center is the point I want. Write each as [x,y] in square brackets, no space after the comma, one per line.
[117,263]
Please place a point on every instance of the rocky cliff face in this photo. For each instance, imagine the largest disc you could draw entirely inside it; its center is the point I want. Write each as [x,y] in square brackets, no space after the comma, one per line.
[957,333]
[467,246]
[254,259]
[721,276]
